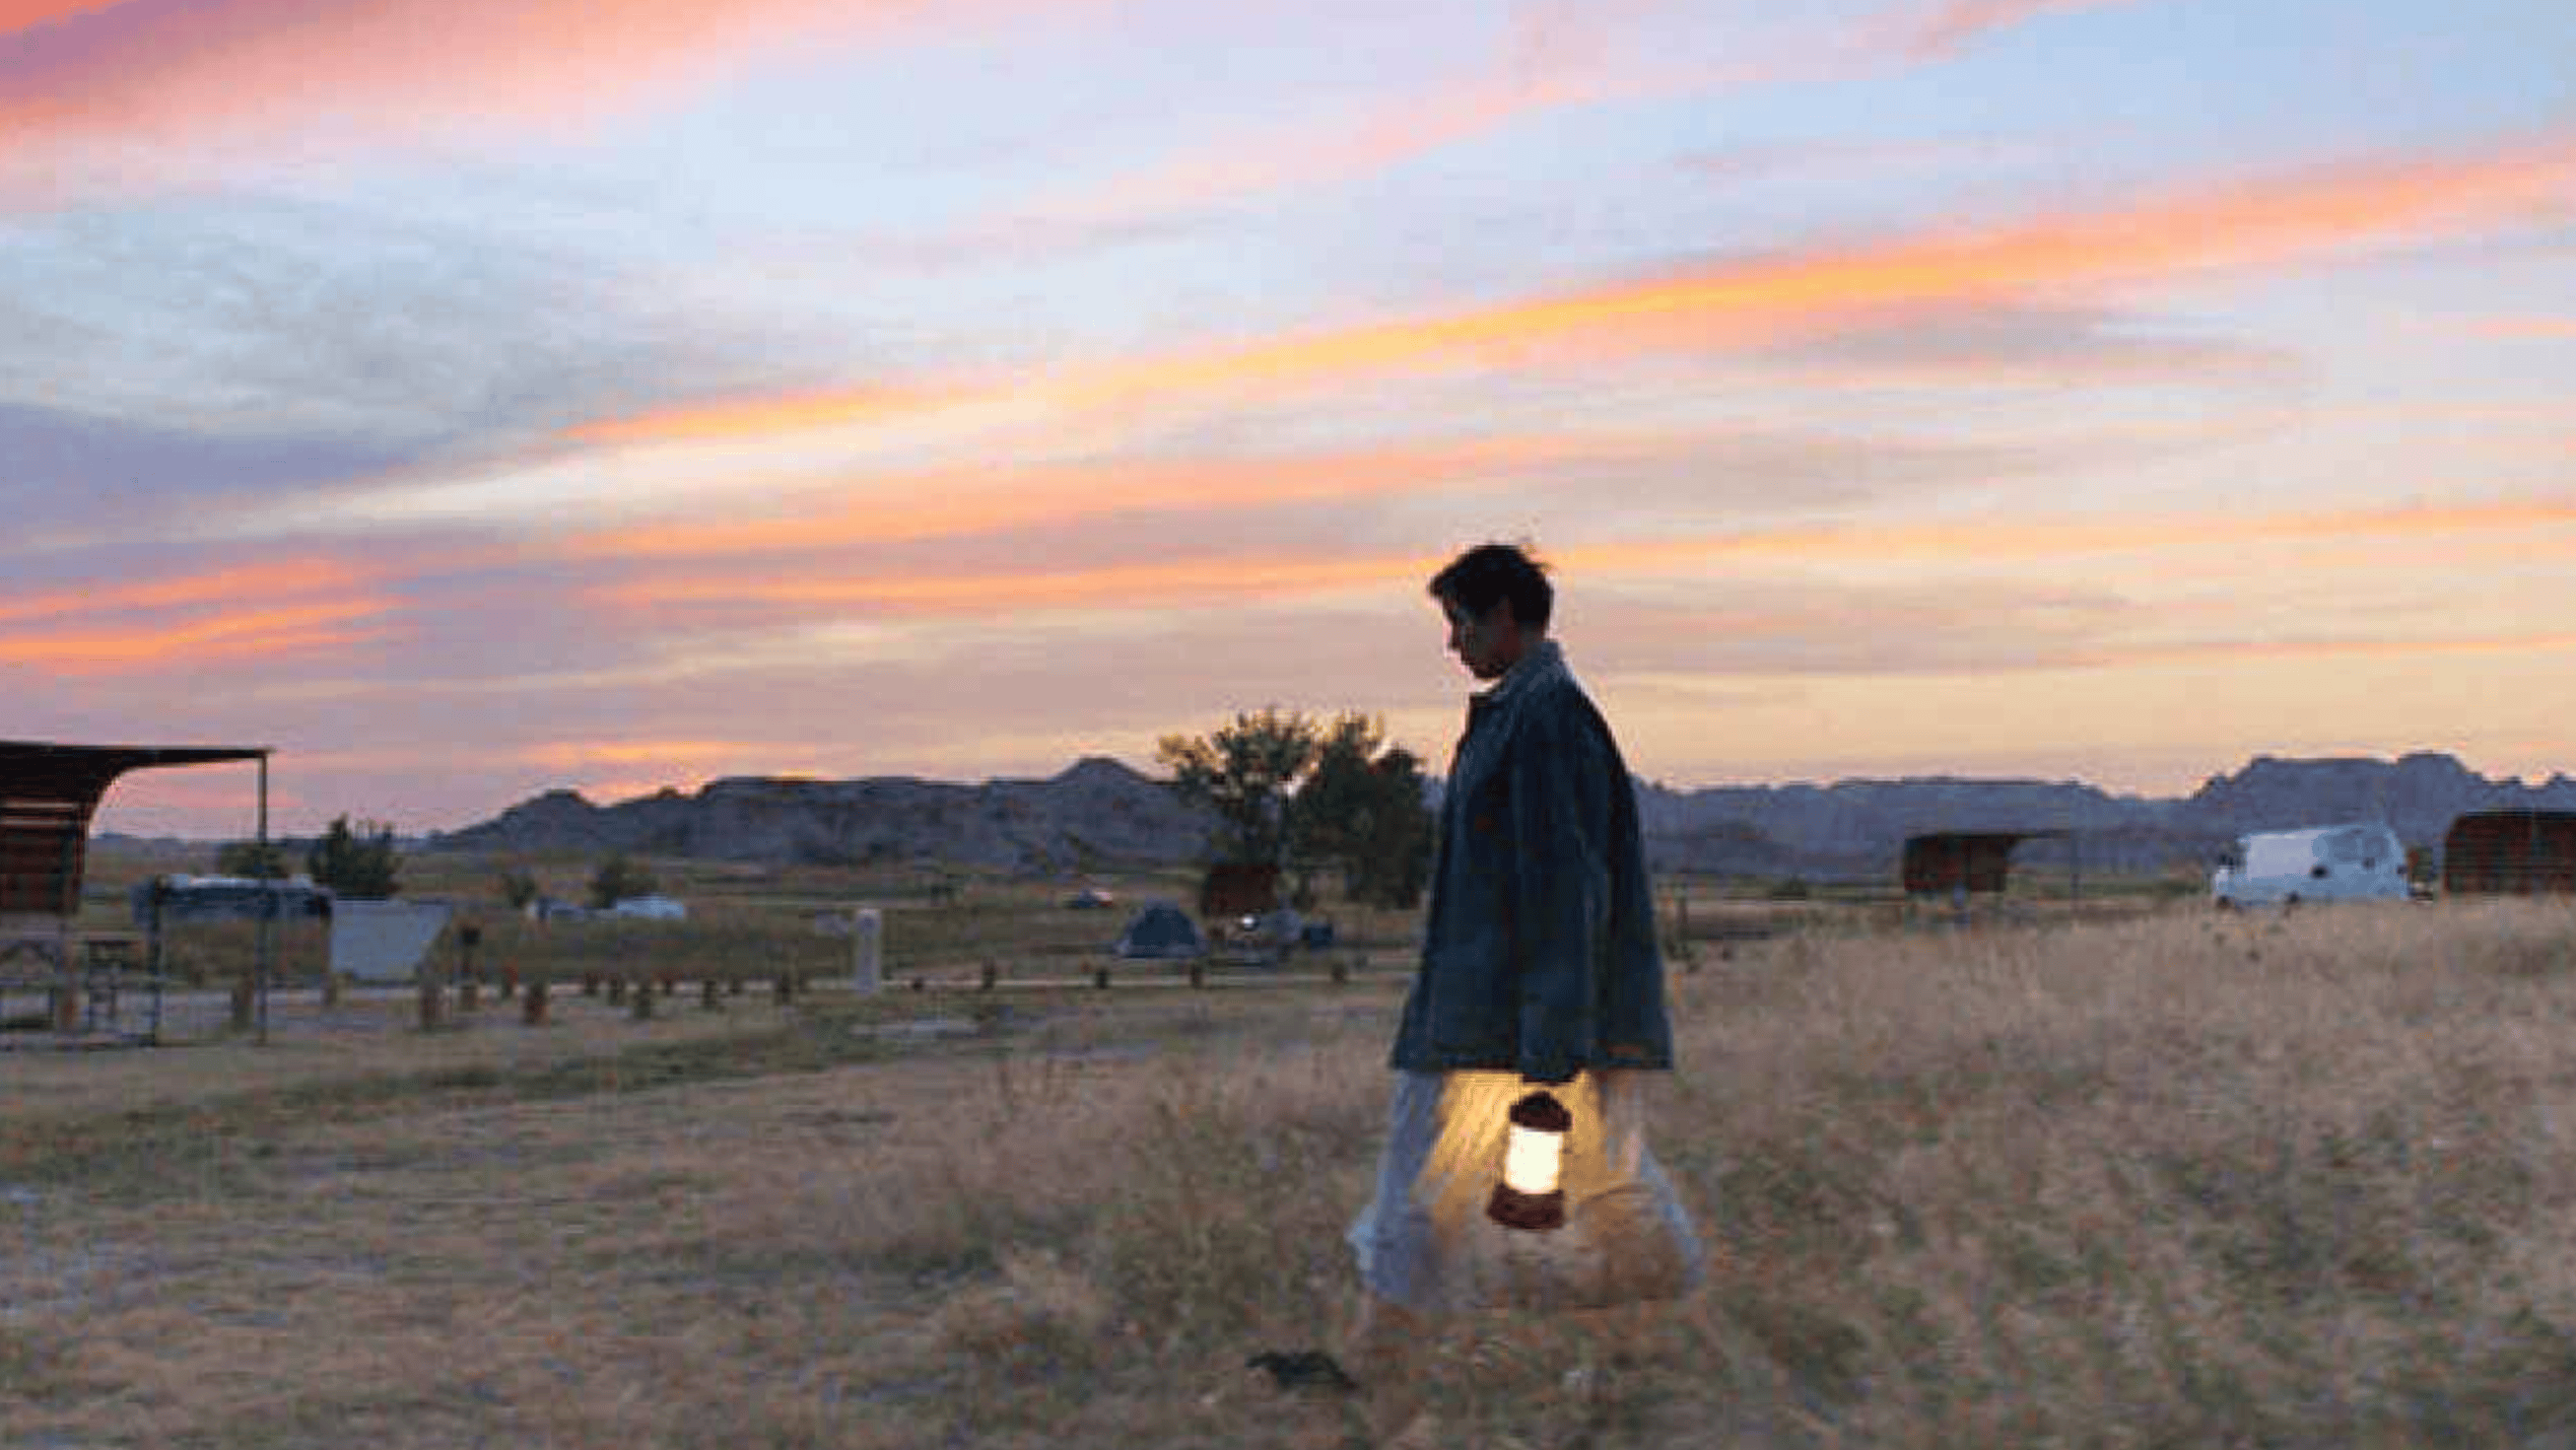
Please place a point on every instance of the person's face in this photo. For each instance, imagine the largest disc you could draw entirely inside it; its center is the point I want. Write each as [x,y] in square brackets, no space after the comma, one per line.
[1487,644]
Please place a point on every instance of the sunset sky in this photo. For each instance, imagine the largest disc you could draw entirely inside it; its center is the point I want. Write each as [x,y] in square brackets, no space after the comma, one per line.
[474,397]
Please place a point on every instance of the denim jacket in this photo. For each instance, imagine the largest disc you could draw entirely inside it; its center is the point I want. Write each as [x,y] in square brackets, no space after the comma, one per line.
[1540,954]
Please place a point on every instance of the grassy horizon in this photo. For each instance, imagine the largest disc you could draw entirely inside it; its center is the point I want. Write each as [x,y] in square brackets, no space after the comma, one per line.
[2177,1180]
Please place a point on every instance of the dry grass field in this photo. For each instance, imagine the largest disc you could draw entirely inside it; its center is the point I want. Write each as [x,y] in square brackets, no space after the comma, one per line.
[2172,1180]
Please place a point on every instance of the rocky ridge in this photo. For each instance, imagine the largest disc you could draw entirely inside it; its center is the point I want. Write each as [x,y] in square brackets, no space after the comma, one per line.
[1100,813]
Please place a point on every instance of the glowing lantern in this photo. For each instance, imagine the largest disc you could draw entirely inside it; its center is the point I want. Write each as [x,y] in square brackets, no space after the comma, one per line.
[1531,1195]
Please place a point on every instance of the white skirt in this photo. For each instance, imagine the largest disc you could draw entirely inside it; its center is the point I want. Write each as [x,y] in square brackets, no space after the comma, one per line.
[1425,1243]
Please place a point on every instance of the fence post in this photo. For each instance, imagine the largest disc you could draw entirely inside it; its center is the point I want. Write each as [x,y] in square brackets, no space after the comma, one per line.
[867,950]
[644,1001]
[534,1010]
[707,997]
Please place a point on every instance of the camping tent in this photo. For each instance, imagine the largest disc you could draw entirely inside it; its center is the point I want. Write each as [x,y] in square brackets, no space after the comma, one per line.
[1160,930]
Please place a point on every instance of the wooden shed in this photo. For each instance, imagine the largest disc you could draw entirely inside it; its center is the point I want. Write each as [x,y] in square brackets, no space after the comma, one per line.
[2510,853]
[1944,862]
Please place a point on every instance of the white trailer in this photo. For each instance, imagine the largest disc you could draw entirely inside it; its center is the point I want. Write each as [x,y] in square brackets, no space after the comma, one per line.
[2363,861]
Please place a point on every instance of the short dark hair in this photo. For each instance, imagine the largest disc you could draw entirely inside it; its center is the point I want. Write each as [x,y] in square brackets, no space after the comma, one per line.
[1489,573]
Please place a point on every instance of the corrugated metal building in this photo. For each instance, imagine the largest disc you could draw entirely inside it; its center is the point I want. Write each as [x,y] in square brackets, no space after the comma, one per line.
[2510,853]
[1944,862]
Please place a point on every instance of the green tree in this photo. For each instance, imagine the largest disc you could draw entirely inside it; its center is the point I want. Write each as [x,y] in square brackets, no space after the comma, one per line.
[1244,772]
[1331,811]
[1362,810]
[619,878]
[357,862]
[1392,866]
[258,860]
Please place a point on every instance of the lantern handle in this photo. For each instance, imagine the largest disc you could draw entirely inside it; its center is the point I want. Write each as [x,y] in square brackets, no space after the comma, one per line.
[1541,1112]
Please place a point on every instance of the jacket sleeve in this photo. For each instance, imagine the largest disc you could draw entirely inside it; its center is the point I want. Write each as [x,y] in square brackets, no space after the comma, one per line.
[1561,814]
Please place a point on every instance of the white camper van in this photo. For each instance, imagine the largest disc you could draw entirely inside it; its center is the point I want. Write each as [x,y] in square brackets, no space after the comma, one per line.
[2360,862]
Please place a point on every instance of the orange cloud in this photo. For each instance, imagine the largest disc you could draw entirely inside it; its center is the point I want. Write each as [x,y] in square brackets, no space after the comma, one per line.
[1214,582]
[229,635]
[284,577]
[1230,580]
[1753,303]
[259,610]
[971,500]
[17,15]
[2522,328]
[575,755]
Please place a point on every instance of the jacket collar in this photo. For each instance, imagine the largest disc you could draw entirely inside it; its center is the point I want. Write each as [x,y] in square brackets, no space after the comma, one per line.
[1544,661]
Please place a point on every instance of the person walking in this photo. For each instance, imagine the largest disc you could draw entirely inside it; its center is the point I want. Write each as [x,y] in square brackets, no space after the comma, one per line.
[1539,972]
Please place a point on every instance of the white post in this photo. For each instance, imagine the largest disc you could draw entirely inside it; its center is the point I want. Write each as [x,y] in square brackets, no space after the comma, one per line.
[867,959]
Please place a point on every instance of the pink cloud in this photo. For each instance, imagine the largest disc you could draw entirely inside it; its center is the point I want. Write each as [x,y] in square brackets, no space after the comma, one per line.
[1560,58]
[261,73]
[1958,23]
[2051,260]
[17,15]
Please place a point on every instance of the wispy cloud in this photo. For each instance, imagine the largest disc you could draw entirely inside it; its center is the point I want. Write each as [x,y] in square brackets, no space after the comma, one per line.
[1554,56]
[228,635]
[1138,585]
[904,507]
[2519,329]
[16,15]
[619,768]
[2268,222]
[1557,57]
[281,577]
[176,76]
[256,611]
[1245,577]
[2065,538]
[1959,23]
[2328,647]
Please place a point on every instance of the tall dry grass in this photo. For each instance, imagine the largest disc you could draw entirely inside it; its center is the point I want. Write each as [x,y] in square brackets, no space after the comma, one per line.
[2191,1181]
[2184,1181]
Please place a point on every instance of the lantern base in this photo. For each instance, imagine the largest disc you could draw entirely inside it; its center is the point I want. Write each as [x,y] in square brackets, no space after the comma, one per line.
[1529,1212]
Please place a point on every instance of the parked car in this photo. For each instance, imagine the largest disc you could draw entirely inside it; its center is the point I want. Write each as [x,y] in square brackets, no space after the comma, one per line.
[2363,861]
